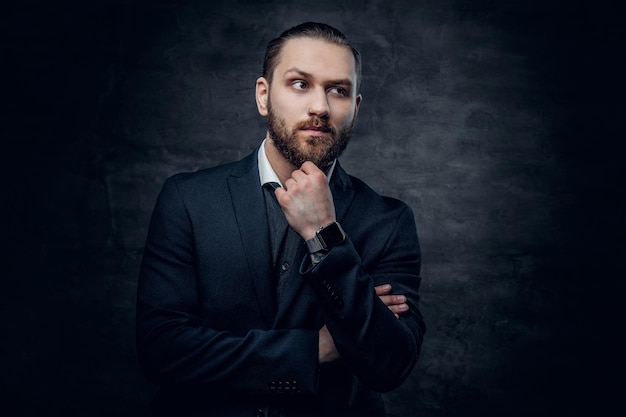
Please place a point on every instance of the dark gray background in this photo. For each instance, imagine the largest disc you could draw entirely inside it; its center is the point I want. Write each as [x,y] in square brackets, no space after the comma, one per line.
[496,121]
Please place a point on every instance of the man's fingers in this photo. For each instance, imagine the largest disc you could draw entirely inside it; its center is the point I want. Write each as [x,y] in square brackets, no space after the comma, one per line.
[298,175]
[382,289]
[399,308]
[290,183]
[310,170]
[396,303]
[309,167]
[395,299]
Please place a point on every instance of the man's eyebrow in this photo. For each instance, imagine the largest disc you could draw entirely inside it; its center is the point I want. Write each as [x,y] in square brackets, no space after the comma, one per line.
[297,71]
[347,82]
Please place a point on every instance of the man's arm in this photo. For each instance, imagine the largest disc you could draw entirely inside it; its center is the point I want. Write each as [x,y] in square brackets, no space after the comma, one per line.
[396,303]
[380,349]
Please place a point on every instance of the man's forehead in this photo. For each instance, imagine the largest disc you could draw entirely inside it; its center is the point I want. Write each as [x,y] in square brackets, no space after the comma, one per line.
[309,54]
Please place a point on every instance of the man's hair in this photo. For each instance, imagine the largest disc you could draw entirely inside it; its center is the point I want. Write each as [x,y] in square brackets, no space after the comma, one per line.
[312,30]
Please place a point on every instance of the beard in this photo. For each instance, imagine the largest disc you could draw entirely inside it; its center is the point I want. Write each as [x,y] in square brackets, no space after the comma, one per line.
[322,151]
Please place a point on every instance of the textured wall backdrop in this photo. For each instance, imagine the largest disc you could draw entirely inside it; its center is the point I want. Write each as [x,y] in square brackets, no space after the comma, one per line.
[494,120]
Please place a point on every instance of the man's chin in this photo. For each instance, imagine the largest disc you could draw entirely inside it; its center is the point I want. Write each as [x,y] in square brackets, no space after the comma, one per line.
[315,139]
[316,153]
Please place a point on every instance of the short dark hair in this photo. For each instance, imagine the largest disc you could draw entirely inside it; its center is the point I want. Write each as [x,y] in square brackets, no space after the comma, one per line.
[311,30]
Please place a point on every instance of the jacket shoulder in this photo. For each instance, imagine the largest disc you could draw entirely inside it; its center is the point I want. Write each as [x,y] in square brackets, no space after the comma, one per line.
[213,176]
[208,187]
[364,195]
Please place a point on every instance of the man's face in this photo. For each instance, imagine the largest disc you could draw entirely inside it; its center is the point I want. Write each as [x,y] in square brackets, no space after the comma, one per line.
[312,103]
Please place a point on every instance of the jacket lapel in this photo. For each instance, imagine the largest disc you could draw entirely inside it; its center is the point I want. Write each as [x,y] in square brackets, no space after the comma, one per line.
[343,193]
[249,206]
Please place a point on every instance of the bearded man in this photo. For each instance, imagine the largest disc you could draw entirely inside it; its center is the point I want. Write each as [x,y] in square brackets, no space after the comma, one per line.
[279,285]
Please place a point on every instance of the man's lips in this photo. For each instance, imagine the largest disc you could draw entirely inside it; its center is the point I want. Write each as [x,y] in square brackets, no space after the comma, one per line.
[316,131]
[318,128]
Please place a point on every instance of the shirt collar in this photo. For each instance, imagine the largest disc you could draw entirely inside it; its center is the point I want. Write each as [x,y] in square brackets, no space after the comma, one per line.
[267,173]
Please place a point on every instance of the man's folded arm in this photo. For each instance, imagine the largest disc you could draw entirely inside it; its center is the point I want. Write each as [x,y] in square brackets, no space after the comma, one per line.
[379,348]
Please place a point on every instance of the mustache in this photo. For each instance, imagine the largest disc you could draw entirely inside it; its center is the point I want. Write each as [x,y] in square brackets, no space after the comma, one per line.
[316,123]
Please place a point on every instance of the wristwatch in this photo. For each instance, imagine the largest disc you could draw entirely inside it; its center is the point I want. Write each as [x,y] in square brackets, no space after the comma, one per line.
[326,237]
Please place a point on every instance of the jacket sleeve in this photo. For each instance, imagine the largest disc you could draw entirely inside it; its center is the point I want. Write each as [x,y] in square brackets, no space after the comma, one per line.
[380,349]
[175,348]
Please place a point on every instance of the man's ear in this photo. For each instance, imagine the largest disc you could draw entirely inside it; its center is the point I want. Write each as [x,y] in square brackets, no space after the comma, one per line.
[262,95]
[359,98]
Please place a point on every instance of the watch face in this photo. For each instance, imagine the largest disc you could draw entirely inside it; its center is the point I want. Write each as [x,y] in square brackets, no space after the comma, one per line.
[331,235]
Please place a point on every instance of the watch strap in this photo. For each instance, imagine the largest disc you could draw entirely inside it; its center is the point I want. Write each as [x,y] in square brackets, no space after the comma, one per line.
[326,237]
[314,244]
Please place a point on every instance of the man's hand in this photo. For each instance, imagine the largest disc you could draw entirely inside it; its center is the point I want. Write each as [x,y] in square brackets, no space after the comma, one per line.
[306,200]
[396,303]
[327,351]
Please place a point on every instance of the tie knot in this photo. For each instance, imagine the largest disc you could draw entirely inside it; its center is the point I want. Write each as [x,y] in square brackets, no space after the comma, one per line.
[271,185]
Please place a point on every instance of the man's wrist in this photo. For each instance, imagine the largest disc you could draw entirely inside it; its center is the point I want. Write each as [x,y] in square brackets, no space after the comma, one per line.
[326,238]
[309,234]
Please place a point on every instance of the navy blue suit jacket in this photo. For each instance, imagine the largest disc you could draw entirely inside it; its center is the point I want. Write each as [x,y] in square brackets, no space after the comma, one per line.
[211,333]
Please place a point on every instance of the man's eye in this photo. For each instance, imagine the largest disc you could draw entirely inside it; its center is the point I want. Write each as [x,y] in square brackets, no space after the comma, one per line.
[339,91]
[299,85]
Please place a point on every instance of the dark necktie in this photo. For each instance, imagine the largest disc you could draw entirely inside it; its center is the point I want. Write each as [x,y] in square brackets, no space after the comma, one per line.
[276,220]
[284,240]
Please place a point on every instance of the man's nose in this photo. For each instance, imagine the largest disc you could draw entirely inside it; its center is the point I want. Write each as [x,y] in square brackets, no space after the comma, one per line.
[318,106]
